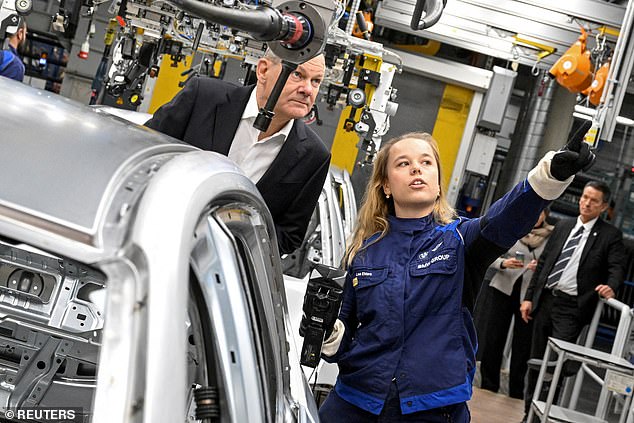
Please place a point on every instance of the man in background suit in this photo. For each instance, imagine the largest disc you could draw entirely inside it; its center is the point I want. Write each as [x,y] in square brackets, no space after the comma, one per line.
[288,163]
[583,260]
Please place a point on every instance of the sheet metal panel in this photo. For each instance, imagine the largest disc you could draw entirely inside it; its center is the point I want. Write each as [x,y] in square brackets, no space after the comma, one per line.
[60,160]
[471,77]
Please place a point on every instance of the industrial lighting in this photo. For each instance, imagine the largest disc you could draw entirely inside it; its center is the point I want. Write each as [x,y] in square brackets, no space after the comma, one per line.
[581,116]
[583,112]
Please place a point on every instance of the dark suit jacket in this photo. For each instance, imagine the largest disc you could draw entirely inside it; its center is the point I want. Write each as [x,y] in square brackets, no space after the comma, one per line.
[206,114]
[601,263]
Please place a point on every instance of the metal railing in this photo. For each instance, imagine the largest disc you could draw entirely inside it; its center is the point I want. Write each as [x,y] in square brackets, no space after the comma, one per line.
[619,348]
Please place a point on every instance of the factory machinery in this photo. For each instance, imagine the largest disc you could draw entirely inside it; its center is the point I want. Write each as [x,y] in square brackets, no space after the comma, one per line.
[108,319]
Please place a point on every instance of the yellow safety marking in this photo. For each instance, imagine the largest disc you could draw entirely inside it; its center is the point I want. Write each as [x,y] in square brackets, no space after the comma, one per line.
[217,67]
[449,127]
[531,43]
[166,86]
[609,31]
[344,146]
[430,48]
[545,49]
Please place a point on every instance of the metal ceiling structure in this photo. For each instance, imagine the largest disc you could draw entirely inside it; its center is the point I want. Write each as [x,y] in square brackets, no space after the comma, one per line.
[514,30]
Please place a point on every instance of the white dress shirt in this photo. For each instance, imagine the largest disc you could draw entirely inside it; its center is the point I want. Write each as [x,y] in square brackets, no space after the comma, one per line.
[255,157]
[568,281]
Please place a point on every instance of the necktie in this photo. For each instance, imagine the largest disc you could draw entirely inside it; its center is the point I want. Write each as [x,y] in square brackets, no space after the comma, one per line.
[563,259]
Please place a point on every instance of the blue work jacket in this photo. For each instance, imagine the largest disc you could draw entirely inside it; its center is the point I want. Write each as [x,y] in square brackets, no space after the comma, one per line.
[403,306]
[10,64]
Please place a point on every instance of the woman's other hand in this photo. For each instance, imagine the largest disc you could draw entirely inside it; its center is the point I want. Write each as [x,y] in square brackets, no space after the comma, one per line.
[512,263]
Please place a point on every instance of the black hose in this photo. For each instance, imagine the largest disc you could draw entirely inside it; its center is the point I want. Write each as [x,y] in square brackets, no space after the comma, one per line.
[199,34]
[122,9]
[363,26]
[432,15]
[262,23]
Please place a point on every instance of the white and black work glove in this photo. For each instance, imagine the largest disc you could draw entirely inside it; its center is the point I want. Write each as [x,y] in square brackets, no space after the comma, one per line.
[556,170]
[331,345]
[575,156]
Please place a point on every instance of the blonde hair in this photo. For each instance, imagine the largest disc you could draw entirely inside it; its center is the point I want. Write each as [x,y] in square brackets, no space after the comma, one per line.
[375,208]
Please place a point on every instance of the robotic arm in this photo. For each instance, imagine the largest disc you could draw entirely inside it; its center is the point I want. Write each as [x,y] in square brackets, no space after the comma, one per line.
[299,26]
[10,12]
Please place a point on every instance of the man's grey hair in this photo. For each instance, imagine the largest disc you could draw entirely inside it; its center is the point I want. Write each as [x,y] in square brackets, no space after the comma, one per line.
[268,54]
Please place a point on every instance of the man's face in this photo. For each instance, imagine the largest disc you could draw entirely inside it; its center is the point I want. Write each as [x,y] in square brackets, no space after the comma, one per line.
[301,89]
[591,204]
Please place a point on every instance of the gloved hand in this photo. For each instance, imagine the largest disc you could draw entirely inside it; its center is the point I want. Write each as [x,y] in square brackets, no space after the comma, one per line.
[331,344]
[575,156]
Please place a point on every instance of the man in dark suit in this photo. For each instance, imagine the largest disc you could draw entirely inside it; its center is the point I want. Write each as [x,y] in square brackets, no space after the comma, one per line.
[583,260]
[289,162]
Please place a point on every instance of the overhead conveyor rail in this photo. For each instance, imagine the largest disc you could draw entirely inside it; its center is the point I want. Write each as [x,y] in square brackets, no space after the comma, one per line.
[490,26]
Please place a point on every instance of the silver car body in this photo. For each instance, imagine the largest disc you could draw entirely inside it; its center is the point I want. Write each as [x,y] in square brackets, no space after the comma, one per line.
[90,200]
[325,242]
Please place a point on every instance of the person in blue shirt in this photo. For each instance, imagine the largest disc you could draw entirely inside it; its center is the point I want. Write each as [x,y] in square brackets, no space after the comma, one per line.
[11,65]
[405,342]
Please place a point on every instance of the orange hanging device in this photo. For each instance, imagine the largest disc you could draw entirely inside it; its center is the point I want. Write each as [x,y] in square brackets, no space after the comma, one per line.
[573,70]
[595,90]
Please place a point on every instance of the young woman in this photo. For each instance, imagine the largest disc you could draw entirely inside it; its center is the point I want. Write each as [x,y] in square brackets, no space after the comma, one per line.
[405,343]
